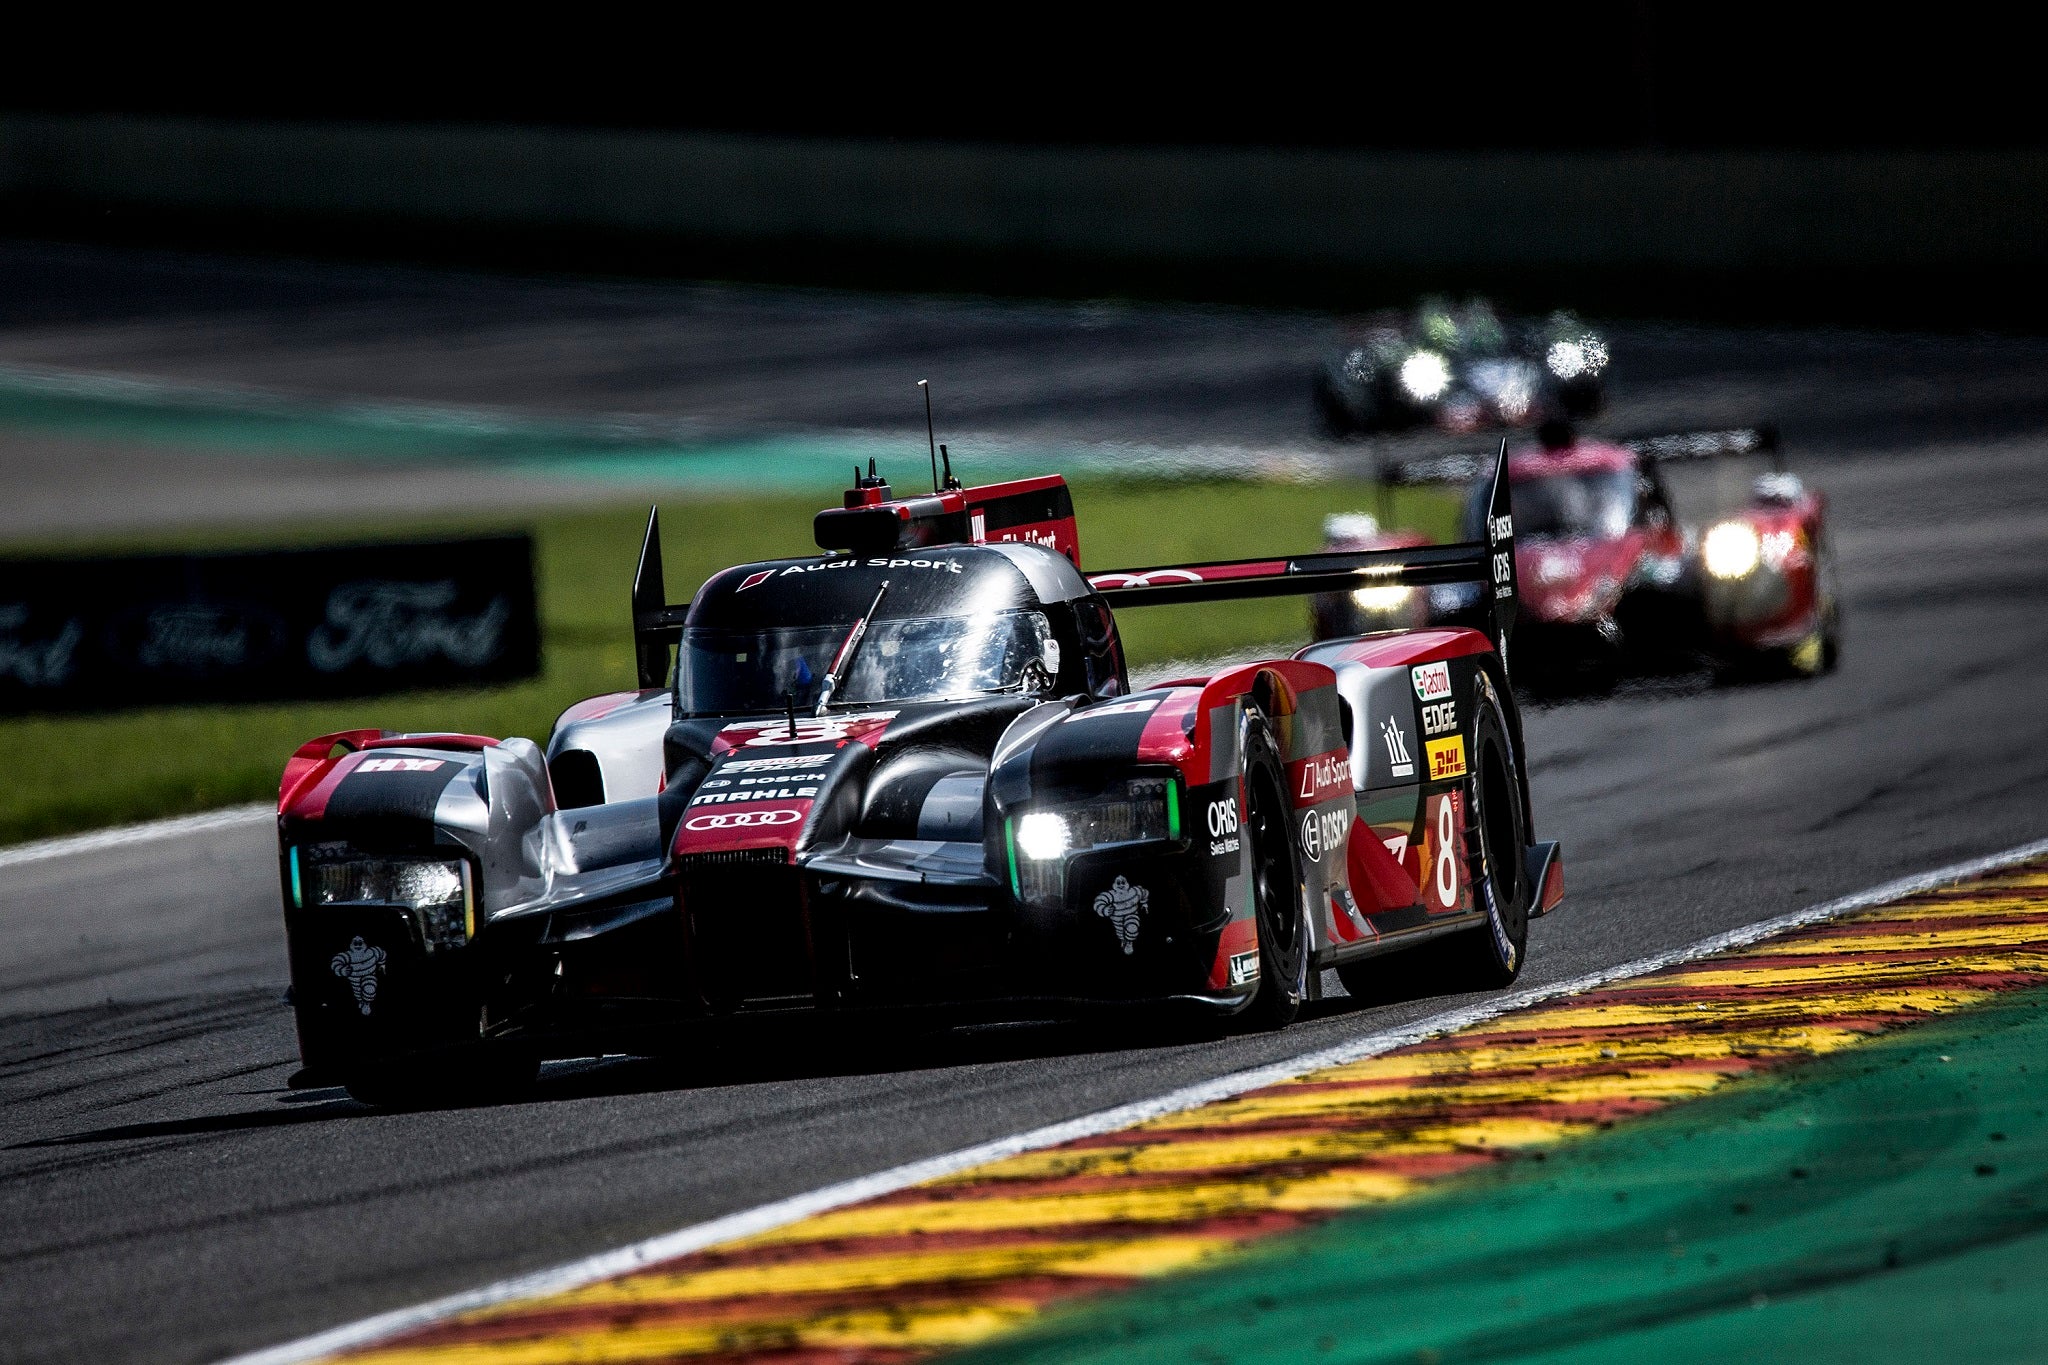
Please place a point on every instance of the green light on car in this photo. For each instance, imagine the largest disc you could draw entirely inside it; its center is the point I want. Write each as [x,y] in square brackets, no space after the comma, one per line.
[1172,809]
[298,894]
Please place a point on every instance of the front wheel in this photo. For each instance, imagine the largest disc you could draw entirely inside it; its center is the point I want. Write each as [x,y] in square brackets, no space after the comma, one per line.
[1277,895]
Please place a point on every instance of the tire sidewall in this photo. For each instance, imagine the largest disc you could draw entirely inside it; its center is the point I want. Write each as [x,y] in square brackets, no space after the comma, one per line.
[1283,960]
[1499,878]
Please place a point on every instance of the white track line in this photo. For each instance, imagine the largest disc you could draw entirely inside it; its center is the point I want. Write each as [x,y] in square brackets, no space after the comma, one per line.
[783,1212]
[135,834]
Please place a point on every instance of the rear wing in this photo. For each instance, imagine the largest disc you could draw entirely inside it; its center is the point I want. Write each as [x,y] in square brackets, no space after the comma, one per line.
[1709,445]
[1490,561]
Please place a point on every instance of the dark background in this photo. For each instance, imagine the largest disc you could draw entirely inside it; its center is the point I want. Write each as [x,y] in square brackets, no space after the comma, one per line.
[1649,76]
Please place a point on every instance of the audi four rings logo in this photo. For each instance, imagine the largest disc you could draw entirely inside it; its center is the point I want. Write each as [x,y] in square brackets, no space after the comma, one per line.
[743,819]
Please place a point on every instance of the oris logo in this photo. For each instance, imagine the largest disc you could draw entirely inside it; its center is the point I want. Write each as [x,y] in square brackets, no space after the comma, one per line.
[743,819]
[1222,817]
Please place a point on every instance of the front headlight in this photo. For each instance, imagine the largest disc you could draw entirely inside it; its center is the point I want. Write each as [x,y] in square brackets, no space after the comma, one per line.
[1129,811]
[1384,597]
[1731,549]
[438,892]
[1425,375]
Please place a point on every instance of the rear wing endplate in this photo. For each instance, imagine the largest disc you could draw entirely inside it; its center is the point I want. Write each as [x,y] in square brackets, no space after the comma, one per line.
[657,625]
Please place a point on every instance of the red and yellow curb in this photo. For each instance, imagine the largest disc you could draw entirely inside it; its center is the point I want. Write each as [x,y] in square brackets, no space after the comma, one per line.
[963,1258]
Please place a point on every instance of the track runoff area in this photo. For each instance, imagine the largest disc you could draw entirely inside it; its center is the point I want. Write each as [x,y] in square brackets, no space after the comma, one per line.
[1822,1129]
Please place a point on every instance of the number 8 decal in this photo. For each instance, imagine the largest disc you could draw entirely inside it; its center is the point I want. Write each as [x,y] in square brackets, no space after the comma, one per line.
[1446,857]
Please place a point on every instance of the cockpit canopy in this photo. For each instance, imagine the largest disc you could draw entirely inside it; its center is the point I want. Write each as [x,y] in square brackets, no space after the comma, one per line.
[955,622]
[926,658]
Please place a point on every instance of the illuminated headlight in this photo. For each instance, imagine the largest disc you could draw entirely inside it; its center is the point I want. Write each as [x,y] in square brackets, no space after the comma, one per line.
[437,892]
[1132,811]
[1567,359]
[1042,835]
[1425,375]
[1731,550]
[1384,597]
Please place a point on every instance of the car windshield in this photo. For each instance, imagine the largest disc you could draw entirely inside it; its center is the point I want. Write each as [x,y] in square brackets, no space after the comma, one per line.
[1593,506]
[928,658]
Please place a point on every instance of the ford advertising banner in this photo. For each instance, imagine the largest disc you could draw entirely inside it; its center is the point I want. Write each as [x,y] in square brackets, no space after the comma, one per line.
[153,630]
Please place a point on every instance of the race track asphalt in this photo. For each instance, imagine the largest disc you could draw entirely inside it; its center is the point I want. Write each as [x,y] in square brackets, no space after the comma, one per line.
[164,1197]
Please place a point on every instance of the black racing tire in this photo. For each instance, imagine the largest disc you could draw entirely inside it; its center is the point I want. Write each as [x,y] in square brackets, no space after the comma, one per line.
[1277,890]
[484,1076]
[1490,956]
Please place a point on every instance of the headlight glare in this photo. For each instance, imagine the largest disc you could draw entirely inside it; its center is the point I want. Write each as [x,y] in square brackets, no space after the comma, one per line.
[1425,375]
[1383,597]
[1731,550]
[1042,835]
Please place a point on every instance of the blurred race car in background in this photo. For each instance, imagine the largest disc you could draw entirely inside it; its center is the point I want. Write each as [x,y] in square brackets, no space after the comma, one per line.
[1461,368]
[1615,583]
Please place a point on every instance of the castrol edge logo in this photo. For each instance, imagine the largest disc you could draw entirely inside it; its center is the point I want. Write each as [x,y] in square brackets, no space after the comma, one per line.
[743,819]
[1432,681]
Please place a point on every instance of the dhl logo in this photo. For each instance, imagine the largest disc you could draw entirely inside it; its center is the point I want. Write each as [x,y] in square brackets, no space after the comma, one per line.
[1446,757]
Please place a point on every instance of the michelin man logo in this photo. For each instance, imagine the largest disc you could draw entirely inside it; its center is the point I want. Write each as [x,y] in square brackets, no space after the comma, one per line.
[1121,905]
[358,964]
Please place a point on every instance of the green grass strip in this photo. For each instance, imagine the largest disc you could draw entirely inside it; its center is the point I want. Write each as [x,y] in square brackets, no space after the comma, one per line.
[1886,1203]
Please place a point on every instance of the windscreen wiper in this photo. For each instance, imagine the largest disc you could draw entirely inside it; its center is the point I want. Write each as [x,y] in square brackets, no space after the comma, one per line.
[842,662]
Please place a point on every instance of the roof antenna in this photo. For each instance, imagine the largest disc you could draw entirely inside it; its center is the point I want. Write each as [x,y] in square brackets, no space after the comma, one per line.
[947,460]
[930,435]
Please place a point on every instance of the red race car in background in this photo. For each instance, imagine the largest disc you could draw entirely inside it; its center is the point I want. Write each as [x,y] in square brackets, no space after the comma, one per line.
[1615,582]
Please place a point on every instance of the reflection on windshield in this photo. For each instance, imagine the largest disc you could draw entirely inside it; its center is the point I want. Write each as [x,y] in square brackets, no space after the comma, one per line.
[728,672]
[1576,506]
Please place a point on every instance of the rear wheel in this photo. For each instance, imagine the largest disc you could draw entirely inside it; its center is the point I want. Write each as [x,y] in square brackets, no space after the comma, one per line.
[1276,884]
[1491,955]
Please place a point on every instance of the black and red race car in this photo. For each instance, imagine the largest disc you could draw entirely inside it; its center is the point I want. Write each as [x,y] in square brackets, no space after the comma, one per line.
[1614,582]
[909,772]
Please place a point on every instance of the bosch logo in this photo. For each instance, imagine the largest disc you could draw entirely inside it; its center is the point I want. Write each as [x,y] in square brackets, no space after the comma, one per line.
[1324,830]
[743,819]
[1500,528]
[1222,817]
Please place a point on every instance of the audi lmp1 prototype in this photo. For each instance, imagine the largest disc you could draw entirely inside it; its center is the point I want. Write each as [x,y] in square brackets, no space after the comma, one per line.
[909,772]
[1461,369]
[1613,583]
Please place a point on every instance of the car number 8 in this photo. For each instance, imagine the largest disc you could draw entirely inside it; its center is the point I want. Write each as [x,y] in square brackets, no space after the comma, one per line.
[1446,859]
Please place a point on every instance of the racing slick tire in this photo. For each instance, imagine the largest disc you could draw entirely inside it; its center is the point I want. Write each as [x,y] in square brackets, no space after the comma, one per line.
[1491,955]
[1277,894]
[486,1076]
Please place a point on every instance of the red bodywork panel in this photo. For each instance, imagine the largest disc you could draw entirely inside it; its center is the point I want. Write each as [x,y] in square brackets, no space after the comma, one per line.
[1415,647]
[314,770]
